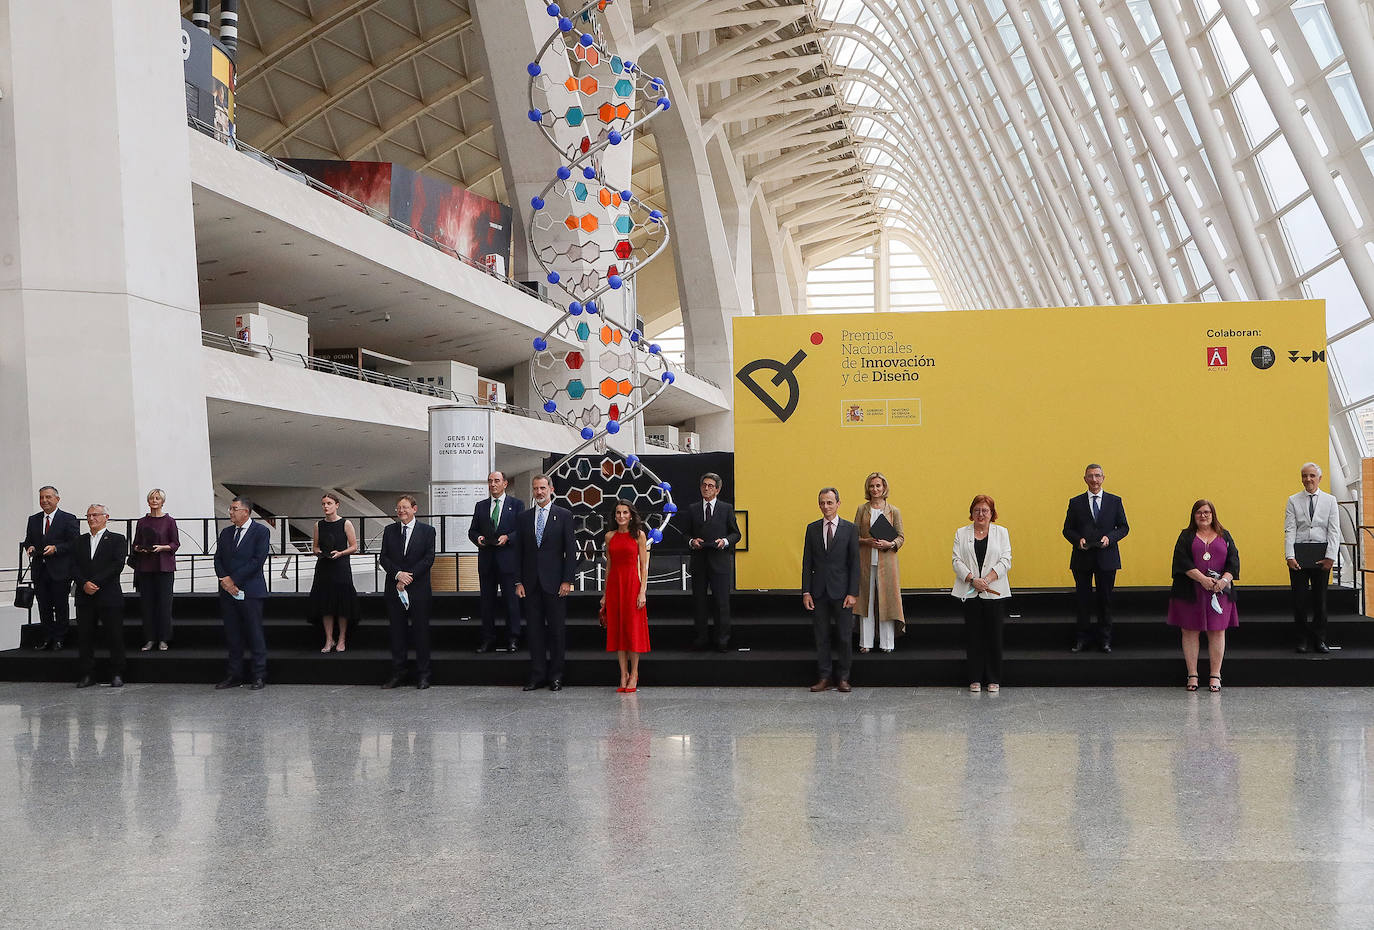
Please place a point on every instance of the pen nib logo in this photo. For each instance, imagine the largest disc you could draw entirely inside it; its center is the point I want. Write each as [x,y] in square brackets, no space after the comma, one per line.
[784,373]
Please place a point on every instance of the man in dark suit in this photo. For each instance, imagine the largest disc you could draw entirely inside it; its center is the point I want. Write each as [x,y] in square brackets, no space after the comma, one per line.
[407,556]
[240,554]
[1094,523]
[48,539]
[711,535]
[548,558]
[830,587]
[97,562]
[494,533]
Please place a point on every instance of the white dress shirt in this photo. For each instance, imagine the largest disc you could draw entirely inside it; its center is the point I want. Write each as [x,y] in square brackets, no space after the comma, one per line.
[95,541]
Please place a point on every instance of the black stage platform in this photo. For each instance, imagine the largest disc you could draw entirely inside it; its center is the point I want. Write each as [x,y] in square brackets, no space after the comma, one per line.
[771,646]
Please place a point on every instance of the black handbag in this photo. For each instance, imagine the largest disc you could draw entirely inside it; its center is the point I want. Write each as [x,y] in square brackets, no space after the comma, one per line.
[23,593]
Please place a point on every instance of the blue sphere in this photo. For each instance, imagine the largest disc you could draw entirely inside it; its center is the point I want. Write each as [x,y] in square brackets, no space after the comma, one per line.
[629,65]
[564,172]
[533,68]
[550,406]
[553,277]
[564,24]
[663,103]
[615,282]
[666,488]
[656,535]
[591,306]
[627,196]
[670,508]
[587,432]
[656,83]
[535,116]
[653,348]
[613,427]
[655,215]
[540,343]
[634,335]
[631,461]
[614,137]
[668,377]
[589,173]
[586,40]
[537,202]
[575,308]
[552,9]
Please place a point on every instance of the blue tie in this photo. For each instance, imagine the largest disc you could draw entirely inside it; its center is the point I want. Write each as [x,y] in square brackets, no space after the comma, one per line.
[1095,509]
[539,525]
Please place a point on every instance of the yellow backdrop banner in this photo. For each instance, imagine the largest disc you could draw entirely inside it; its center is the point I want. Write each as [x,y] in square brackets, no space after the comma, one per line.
[1224,401]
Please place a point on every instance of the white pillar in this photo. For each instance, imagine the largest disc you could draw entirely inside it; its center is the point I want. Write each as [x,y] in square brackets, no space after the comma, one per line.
[99,305]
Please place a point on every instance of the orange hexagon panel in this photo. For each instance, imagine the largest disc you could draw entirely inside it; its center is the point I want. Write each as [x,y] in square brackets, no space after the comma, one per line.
[626,387]
[571,84]
[589,222]
[589,85]
[571,222]
[605,335]
[609,387]
[609,198]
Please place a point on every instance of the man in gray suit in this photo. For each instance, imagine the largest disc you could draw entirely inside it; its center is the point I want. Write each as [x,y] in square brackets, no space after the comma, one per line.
[830,587]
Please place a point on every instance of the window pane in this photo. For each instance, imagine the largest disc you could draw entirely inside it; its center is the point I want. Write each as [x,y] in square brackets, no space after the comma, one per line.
[1281,173]
[1343,89]
[1344,308]
[1354,357]
[1308,237]
[1316,28]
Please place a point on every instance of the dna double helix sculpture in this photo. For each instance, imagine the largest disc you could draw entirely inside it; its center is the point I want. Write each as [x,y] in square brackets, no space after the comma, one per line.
[590,237]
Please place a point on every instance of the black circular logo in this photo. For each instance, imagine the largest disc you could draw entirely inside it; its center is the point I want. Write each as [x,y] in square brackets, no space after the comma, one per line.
[1262,357]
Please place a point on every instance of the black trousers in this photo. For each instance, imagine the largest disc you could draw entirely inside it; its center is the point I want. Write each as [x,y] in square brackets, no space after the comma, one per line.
[489,582]
[828,610]
[711,589]
[1309,590]
[408,627]
[90,613]
[1083,583]
[546,628]
[243,626]
[983,620]
[53,611]
[155,600]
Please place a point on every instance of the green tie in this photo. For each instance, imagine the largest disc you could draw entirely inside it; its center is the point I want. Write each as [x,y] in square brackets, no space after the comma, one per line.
[495,511]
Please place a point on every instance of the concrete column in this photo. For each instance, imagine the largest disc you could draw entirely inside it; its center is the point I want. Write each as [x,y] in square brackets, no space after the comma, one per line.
[100,387]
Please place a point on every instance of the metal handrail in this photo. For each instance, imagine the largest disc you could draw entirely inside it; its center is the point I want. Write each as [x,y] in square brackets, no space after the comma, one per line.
[328,366]
[386,218]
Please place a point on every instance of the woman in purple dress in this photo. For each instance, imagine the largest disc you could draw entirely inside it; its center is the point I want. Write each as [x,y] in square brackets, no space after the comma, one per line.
[1202,598]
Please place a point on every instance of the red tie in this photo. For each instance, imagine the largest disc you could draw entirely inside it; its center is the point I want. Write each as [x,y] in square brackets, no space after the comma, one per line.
[829,534]
[47,522]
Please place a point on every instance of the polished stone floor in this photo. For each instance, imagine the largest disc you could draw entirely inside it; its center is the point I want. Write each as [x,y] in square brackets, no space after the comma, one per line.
[304,807]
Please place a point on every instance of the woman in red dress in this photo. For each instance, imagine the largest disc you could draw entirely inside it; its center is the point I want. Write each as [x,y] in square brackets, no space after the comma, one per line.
[622,606]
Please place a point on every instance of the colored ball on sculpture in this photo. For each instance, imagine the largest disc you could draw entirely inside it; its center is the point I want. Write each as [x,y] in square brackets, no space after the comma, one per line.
[552,9]
[564,172]
[589,173]
[586,40]
[591,306]
[615,282]
[575,308]
[540,343]
[564,24]
[656,535]
[631,461]
[550,406]
[533,68]
[653,348]
[613,137]
[535,116]
[613,427]
[553,277]
[663,103]
[666,487]
[587,432]
[626,196]
[655,215]
[537,202]
[668,377]
[670,508]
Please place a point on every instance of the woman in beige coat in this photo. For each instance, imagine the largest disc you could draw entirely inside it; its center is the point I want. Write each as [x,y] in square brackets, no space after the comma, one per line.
[880,586]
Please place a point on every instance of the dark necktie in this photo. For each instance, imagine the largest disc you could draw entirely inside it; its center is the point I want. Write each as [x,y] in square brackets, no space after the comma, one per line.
[1311,506]
[829,534]
[405,537]
[709,511]
[1096,508]
[47,524]
[238,537]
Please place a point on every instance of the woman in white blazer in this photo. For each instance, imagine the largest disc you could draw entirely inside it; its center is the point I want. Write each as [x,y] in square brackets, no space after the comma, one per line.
[982,558]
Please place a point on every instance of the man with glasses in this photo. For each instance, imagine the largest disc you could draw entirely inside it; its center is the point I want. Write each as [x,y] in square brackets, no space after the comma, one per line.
[712,534]
[407,556]
[1093,524]
[240,554]
[97,562]
[1311,541]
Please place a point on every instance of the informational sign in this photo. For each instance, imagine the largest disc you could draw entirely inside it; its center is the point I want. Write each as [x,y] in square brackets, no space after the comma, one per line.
[209,76]
[1222,401]
[461,455]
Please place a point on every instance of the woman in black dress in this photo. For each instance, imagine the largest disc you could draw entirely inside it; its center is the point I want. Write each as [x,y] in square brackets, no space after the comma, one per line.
[332,595]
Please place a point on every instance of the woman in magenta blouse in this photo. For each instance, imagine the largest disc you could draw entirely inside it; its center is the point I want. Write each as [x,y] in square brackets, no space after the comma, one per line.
[154,559]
